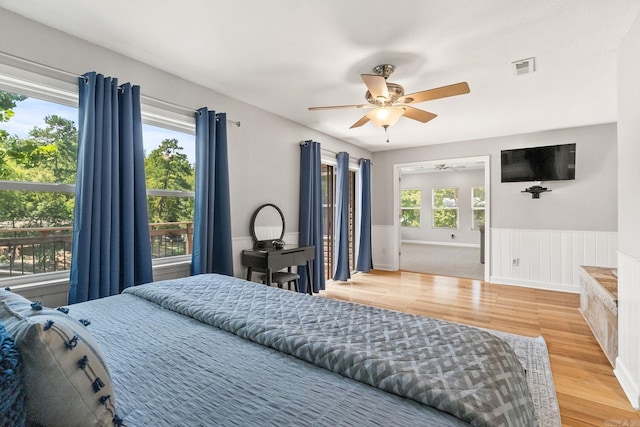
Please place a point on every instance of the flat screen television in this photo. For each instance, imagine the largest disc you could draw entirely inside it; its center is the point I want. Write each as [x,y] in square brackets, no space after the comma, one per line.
[548,163]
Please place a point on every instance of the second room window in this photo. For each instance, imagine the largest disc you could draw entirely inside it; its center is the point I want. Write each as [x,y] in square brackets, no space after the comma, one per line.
[445,207]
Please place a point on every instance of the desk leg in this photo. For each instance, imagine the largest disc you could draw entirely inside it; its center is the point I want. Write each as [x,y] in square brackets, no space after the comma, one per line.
[309,279]
[249,274]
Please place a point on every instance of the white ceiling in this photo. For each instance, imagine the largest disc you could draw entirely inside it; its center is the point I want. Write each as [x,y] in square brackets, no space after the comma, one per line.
[287,55]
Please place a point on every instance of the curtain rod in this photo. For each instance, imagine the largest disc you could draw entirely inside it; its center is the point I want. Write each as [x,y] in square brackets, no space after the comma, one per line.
[327,150]
[179,107]
[69,75]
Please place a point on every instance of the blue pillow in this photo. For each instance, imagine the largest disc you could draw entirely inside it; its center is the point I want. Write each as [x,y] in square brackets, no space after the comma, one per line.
[12,410]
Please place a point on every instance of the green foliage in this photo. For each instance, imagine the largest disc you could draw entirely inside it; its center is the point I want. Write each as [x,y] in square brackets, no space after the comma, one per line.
[410,202]
[445,204]
[445,198]
[49,154]
[58,145]
[410,198]
[445,218]
[7,104]
[478,197]
[478,205]
[167,168]
[410,217]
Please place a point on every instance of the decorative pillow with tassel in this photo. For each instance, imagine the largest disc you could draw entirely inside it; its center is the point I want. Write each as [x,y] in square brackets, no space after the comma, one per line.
[66,378]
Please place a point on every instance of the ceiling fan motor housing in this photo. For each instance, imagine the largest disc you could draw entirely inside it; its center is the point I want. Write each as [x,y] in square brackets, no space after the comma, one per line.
[395,92]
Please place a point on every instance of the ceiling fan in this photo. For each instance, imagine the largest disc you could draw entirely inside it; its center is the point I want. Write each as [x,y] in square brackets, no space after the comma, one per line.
[444,166]
[388,102]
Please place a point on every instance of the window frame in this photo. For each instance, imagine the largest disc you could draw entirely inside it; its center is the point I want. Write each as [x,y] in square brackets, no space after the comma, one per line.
[434,208]
[474,209]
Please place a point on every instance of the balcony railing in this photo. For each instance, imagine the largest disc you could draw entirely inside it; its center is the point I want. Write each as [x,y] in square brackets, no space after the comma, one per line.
[25,251]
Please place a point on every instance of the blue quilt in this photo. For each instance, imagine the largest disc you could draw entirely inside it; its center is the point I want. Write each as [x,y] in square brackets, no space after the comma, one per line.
[463,371]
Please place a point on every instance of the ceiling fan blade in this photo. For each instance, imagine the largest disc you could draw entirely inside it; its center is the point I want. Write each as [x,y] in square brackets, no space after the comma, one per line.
[340,107]
[360,122]
[437,93]
[417,114]
[377,85]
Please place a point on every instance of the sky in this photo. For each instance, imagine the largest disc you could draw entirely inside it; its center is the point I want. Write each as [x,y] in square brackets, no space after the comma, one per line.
[31,112]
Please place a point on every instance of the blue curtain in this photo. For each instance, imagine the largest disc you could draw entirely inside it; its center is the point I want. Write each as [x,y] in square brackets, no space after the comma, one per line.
[212,212]
[111,249]
[365,260]
[341,249]
[310,220]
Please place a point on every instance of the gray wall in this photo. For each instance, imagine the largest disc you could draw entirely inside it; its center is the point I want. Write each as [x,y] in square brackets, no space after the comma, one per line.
[588,203]
[263,153]
[463,180]
[629,143]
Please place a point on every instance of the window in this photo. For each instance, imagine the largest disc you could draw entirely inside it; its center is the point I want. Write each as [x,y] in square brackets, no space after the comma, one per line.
[410,207]
[38,150]
[328,217]
[445,207]
[477,206]
[169,169]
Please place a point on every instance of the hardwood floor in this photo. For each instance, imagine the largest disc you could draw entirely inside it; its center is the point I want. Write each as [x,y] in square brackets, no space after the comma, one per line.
[588,392]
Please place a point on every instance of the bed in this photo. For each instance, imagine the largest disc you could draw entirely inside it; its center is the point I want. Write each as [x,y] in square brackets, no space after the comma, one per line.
[214,350]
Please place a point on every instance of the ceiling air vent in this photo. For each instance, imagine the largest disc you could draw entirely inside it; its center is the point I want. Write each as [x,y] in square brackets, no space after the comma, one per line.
[524,66]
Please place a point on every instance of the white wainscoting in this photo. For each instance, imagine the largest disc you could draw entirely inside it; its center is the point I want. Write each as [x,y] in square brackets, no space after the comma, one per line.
[384,247]
[549,259]
[440,243]
[628,363]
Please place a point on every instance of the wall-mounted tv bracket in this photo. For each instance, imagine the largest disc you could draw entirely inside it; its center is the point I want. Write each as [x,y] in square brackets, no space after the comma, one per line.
[535,191]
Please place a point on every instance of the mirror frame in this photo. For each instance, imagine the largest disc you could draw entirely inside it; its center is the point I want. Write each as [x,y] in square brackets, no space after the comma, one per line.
[264,243]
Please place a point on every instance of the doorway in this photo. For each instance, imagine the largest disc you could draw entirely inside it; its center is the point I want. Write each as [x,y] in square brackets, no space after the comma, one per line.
[438,211]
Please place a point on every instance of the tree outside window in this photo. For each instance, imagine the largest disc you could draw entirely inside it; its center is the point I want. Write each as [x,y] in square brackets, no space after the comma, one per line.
[477,206]
[445,207]
[38,150]
[410,207]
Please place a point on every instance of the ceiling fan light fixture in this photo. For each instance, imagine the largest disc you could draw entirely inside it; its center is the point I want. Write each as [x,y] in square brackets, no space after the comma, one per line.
[385,116]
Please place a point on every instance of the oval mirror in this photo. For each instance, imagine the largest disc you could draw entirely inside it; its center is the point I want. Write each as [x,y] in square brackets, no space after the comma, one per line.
[267,225]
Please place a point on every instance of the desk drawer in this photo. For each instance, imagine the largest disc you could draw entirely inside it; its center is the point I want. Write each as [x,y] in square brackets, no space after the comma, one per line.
[254,259]
[302,256]
[277,261]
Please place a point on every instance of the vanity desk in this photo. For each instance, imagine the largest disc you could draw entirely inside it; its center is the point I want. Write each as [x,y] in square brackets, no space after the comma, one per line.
[269,253]
[272,259]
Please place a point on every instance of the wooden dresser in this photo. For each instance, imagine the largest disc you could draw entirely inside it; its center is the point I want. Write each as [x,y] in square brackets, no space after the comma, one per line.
[599,307]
